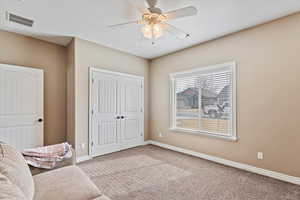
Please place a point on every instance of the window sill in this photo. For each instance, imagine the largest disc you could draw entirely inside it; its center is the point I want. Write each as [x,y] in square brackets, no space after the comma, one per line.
[223,137]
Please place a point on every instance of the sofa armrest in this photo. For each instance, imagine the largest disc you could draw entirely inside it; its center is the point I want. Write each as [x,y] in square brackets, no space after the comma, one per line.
[65,183]
[103,197]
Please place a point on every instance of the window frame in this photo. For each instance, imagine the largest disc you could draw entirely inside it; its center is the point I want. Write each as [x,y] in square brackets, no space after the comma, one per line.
[212,68]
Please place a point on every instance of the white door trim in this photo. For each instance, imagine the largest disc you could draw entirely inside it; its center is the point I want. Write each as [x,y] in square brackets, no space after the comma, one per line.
[94,69]
[19,67]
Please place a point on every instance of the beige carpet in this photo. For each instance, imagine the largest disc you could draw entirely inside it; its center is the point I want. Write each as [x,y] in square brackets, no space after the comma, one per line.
[153,173]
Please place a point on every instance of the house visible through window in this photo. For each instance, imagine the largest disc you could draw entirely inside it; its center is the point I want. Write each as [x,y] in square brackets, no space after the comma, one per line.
[203,101]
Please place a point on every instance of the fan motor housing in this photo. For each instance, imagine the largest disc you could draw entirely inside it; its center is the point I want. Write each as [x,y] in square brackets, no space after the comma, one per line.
[155,10]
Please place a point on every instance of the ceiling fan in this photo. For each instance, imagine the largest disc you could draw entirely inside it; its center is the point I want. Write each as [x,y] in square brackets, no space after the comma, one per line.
[154,20]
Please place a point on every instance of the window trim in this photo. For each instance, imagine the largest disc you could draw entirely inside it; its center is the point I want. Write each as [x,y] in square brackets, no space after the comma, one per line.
[173,76]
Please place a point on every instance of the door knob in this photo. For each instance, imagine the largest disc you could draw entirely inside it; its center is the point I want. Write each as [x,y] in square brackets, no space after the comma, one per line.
[122,117]
[40,120]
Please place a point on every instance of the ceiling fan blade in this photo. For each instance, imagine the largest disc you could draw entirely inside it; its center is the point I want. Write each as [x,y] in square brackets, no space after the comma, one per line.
[182,12]
[123,24]
[140,5]
[174,31]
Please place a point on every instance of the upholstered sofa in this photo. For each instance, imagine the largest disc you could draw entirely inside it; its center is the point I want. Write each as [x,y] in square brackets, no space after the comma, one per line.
[17,183]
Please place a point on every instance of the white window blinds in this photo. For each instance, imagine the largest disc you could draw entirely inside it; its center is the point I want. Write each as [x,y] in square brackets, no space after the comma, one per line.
[203,100]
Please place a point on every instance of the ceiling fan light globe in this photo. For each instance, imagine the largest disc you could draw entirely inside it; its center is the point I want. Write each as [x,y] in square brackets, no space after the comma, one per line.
[147,31]
[157,30]
[152,31]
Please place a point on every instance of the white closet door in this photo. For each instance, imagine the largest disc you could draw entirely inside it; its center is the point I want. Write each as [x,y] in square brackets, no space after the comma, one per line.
[21,106]
[132,114]
[104,124]
[116,111]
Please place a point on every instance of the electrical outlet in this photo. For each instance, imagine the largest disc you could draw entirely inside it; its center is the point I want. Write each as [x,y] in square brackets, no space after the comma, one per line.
[82,145]
[260,155]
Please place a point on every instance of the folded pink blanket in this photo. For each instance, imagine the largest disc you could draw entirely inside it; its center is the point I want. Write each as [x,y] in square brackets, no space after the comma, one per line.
[48,156]
[40,163]
[52,151]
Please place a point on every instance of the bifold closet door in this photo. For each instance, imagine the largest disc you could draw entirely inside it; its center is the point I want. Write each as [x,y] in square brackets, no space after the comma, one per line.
[104,122]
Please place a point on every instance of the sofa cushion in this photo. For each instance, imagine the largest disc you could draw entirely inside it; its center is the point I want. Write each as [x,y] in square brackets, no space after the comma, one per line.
[15,168]
[63,184]
[9,191]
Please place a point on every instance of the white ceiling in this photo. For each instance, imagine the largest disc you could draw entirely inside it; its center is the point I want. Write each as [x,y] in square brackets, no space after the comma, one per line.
[59,20]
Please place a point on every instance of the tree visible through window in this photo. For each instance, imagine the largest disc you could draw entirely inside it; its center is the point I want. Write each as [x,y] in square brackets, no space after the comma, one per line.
[203,100]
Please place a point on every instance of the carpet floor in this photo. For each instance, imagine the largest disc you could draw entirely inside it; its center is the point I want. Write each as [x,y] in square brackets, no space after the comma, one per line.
[153,173]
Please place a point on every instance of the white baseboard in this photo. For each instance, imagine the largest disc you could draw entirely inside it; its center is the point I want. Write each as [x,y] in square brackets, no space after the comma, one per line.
[147,142]
[264,172]
[88,157]
[83,158]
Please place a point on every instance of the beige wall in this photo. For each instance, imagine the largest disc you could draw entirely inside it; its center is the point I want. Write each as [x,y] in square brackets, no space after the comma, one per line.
[88,54]
[25,51]
[267,90]
[268,96]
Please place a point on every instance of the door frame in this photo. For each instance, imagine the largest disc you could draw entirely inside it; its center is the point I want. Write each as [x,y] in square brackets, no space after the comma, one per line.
[100,70]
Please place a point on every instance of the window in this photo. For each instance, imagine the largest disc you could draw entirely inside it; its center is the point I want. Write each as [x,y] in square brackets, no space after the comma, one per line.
[203,101]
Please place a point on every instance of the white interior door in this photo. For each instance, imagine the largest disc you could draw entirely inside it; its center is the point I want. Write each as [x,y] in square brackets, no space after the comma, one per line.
[21,106]
[104,122]
[132,112]
[116,112]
